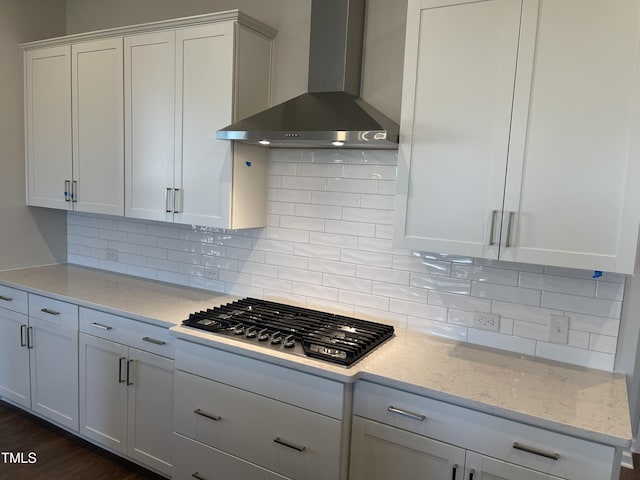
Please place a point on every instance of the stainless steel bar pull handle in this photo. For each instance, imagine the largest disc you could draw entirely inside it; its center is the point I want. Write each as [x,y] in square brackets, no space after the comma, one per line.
[536,451]
[23,335]
[6,299]
[100,326]
[492,237]
[406,413]
[280,441]
[74,191]
[168,202]
[120,379]
[29,337]
[49,311]
[129,382]
[177,204]
[154,341]
[67,190]
[211,416]
[507,243]
[197,476]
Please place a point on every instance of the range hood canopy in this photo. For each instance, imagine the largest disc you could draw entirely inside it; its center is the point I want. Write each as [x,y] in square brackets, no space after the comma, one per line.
[331,114]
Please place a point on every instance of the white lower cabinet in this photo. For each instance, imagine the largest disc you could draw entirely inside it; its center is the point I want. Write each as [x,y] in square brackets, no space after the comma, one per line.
[398,435]
[268,423]
[126,394]
[38,357]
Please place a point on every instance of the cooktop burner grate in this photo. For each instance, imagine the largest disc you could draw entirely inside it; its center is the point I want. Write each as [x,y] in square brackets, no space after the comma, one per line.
[334,338]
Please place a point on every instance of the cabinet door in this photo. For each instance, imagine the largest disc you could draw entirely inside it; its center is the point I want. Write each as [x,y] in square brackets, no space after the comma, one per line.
[54,372]
[149,92]
[487,468]
[14,358]
[204,83]
[456,115]
[48,126]
[573,170]
[103,392]
[150,409]
[381,452]
[98,135]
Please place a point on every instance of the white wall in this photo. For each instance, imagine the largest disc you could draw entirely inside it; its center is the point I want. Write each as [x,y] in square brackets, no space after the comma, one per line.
[384,38]
[28,236]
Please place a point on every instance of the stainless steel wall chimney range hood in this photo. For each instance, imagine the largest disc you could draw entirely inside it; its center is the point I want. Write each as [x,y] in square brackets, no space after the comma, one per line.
[331,114]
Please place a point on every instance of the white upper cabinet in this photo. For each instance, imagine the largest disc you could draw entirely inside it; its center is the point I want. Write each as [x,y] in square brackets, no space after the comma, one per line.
[98,135]
[74,120]
[180,87]
[48,126]
[519,123]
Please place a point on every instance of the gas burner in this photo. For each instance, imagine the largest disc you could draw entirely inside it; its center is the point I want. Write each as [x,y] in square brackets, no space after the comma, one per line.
[333,338]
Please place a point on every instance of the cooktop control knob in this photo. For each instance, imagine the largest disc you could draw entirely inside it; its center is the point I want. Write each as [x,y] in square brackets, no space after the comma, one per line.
[252,332]
[263,335]
[276,339]
[289,341]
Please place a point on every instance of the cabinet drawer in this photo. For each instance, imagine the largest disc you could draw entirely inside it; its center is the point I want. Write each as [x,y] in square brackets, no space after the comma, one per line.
[280,383]
[150,338]
[196,460]
[483,433]
[14,299]
[286,439]
[54,311]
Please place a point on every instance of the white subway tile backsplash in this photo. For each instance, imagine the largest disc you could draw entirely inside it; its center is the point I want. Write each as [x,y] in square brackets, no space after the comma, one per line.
[328,245]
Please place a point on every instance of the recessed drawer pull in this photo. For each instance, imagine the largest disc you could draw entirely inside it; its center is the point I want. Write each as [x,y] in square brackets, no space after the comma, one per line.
[405,413]
[100,326]
[154,341]
[211,416]
[536,451]
[455,470]
[6,299]
[49,311]
[299,448]
[197,476]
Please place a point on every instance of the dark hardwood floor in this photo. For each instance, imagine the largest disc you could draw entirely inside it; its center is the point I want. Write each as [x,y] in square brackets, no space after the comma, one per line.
[58,454]
[634,474]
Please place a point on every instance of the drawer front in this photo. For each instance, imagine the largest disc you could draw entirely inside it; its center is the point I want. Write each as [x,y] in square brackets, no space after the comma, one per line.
[294,442]
[54,311]
[196,460]
[494,436]
[280,383]
[14,299]
[150,338]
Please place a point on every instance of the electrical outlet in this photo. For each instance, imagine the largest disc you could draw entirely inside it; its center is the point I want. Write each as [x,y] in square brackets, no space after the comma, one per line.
[486,321]
[559,329]
[111,255]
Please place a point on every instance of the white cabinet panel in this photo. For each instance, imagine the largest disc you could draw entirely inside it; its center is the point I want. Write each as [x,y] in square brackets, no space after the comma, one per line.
[456,121]
[14,357]
[98,131]
[149,98]
[487,468]
[48,126]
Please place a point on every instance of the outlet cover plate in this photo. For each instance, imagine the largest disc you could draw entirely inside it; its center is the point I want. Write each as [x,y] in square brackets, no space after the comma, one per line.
[486,321]
[559,329]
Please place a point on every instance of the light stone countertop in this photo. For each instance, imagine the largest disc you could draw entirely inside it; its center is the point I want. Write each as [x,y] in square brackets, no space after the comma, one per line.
[586,403]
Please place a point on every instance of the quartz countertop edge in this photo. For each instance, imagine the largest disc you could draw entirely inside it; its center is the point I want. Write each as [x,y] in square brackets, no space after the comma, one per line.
[585,403]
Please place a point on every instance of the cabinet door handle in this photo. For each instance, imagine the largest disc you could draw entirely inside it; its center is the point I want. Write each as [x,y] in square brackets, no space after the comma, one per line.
[129,382]
[23,332]
[293,446]
[6,299]
[536,451]
[101,326]
[197,476]
[492,237]
[29,337]
[120,379]
[471,474]
[74,191]
[49,311]
[67,190]
[455,470]
[405,413]
[507,243]
[177,204]
[154,341]
[167,202]
[211,416]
